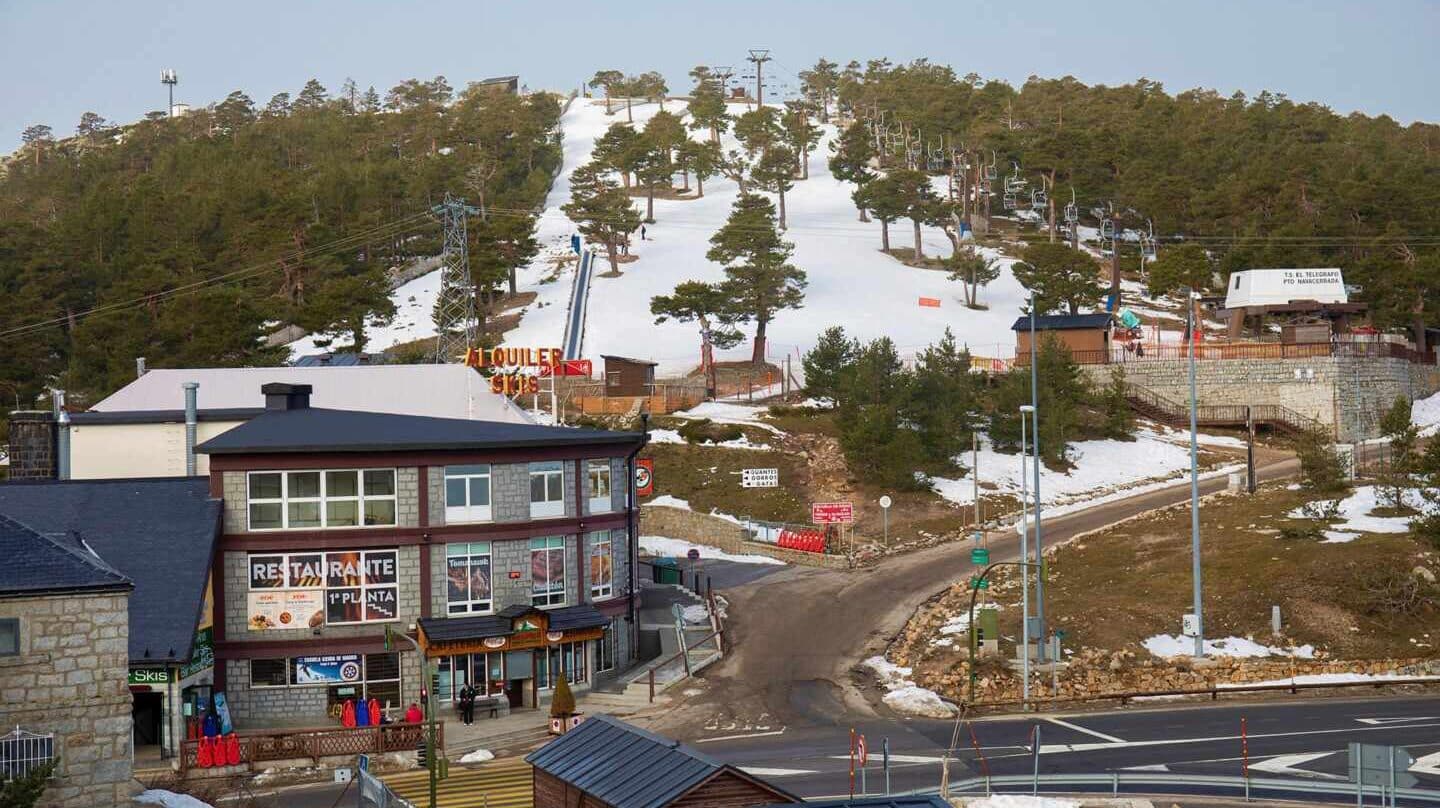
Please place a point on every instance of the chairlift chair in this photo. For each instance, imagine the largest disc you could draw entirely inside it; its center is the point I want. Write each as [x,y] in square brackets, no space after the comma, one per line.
[1009,200]
[1037,198]
[1107,229]
[1072,213]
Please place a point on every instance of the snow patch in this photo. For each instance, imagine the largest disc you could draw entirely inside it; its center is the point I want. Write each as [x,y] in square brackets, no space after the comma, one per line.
[667,501]
[724,412]
[478,756]
[679,548]
[1354,511]
[903,695]
[695,614]
[1167,645]
[1425,413]
[169,799]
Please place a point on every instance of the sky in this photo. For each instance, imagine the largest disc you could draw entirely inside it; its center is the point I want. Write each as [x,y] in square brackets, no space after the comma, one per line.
[60,59]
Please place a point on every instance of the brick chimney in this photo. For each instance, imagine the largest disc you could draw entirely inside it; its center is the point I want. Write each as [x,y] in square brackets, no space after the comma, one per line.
[32,445]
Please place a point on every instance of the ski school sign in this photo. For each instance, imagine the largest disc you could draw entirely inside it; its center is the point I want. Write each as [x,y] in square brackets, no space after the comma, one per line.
[517,371]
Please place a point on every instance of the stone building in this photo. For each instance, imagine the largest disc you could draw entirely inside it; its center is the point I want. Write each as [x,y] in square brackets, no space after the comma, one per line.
[340,524]
[63,663]
[161,535]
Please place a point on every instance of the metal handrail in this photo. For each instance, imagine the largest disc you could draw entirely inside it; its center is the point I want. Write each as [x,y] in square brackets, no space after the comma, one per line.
[1215,692]
[1223,414]
[1214,781]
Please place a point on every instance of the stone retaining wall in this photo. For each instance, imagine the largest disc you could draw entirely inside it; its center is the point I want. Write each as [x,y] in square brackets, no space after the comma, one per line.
[1348,394]
[712,531]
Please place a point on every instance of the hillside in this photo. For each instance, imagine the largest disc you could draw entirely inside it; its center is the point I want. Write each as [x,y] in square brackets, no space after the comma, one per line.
[840,255]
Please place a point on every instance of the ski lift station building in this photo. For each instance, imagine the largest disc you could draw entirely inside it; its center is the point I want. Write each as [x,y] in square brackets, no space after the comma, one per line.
[1278,287]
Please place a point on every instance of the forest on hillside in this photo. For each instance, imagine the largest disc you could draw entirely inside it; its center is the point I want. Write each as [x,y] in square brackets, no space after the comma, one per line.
[1262,181]
[187,239]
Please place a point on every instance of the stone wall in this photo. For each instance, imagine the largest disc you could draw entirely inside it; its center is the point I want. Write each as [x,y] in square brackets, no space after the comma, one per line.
[712,531]
[70,679]
[1347,394]
[32,445]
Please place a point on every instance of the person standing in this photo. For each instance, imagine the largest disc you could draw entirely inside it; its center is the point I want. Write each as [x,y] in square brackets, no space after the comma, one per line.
[467,704]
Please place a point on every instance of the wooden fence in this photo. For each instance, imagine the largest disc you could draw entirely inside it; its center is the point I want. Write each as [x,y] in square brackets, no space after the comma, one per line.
[258,746]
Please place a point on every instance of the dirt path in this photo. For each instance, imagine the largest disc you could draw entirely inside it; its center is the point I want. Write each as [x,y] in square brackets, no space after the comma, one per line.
[797,635]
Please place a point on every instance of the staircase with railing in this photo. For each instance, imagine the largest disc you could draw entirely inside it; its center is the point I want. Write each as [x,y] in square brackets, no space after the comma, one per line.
[1164,410]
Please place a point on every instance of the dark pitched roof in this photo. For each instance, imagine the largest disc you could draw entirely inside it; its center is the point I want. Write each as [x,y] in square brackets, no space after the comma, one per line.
[627,359]
[569,618]
[37,563]
[1062,322]
[161,416]
[320,430]
[340,359]
[161,533]
[627,767]
[897,801]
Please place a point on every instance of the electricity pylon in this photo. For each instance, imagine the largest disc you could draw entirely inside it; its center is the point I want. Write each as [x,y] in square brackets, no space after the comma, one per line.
[455,319]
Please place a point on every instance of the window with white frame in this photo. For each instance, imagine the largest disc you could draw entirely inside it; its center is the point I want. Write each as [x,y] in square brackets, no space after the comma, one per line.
[602,565]
[547,571]
[467,578]
[598,474]
[467,494]
[293,500]
[547,489]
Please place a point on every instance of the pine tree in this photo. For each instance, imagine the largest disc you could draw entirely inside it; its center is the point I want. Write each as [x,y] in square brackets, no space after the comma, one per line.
[800,134]
[760,281]
[618,150]
[942,403]
[877,444]
[922,205]
[826,364]
[1321,470]
[236,111]
[1396,425]
[973,269]
[313,96]
[92,126]
[1115,404]
[371,102]
[707,110]
[758,130]
[350,96]
[601,210]
[819,84]
[850,158]
[663,133]
[883,197]
[1061,277]
[701,159]
[707,305]
[279,106]
[1180,267]
[775,173]
[608,80]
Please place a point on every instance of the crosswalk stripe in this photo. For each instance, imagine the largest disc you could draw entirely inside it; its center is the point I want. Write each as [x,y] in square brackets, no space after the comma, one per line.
[505,783]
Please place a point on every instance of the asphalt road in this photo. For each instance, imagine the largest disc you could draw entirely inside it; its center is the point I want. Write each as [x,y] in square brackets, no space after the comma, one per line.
[797,633]
[1306,739]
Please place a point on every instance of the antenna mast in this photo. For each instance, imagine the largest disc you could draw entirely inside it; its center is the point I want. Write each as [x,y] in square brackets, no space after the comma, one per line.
[169,79]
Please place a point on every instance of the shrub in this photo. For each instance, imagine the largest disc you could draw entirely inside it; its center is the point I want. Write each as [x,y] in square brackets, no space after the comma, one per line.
[704,430]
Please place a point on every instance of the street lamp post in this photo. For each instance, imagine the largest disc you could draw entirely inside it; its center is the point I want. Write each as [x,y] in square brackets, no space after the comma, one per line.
[429,687]
[1190,298]
[1035,414]
[1025,411]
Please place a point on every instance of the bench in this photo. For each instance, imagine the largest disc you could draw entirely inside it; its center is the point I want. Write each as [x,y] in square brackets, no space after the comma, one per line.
[491,703]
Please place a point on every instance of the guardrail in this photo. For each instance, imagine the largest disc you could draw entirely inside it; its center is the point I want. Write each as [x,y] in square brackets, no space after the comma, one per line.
[1118,780]
[1214,692]
[1245,350]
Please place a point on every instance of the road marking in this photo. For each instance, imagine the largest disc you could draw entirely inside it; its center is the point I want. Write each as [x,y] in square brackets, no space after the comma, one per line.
[1375,721]
[1092,733]
[739,737]
[1152,767]
[1430,764]
[1047,749]
[761,771]
[1289,764]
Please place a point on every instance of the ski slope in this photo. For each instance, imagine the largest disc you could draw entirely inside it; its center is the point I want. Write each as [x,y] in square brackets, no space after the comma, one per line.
[851,283]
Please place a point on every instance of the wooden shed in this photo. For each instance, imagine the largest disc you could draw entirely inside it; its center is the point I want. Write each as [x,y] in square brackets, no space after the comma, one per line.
[607,763]
[1086,335]
[628,377]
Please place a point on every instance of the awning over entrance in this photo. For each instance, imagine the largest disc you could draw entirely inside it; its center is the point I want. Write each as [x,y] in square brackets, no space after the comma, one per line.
[511,629]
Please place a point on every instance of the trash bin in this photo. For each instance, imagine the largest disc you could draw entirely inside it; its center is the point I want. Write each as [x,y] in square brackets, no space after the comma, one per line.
[666,570]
